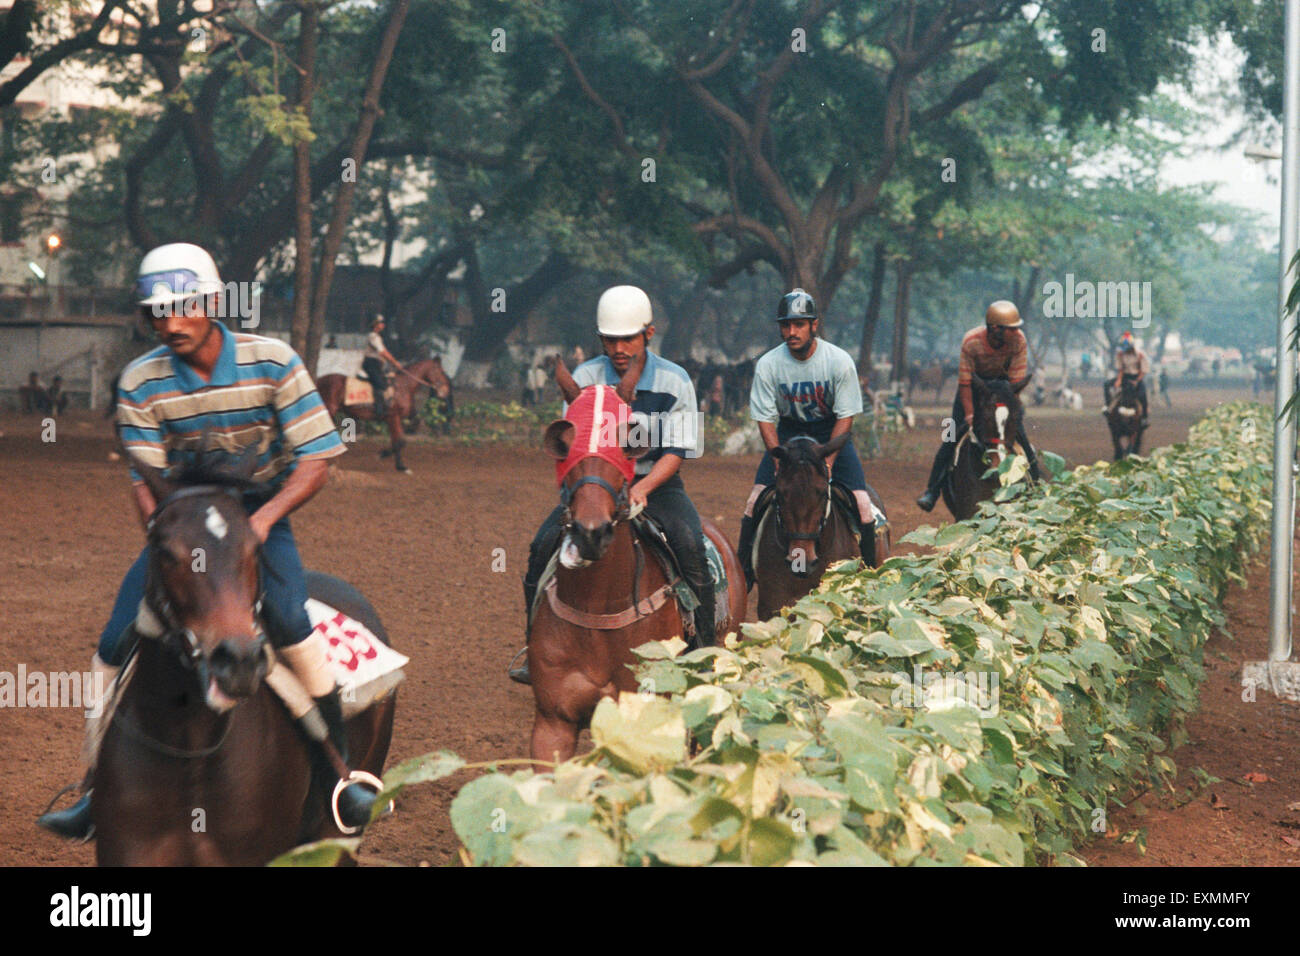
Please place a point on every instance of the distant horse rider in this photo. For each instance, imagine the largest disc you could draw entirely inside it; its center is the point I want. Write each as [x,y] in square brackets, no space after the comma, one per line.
[806,386]
[1131,363]
[376,358]
[996,349]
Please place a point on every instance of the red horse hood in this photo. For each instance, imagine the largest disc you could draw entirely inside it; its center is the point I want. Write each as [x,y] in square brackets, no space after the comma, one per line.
[599,418]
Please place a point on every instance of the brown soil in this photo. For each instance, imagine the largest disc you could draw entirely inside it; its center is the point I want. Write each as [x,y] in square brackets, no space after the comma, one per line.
[422,548]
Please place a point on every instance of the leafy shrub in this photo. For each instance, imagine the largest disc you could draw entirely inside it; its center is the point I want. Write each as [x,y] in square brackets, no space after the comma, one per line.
[827,737]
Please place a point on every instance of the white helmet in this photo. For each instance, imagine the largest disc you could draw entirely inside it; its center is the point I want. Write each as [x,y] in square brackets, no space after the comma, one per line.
[623,310]
[174,273]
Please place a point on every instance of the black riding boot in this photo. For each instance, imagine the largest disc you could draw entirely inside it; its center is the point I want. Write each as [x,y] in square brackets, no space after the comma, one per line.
[748,527]
[942,462]
[520,674]
[73,823]
[867,544]
[705,631]
[356,800]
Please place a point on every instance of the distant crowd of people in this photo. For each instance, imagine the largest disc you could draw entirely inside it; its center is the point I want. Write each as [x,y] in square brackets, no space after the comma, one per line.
[38,398]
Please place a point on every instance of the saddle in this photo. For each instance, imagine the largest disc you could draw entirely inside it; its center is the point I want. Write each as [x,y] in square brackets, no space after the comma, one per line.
[653,540]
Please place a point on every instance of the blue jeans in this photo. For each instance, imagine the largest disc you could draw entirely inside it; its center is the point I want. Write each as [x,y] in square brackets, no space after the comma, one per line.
[847,471]
[285,593]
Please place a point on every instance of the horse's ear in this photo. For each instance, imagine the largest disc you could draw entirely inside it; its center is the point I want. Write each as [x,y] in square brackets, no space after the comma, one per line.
[626,387]
[245,465]
[153,478]
[558,439]
[833,446]
[1019,386]
[568,387]
[780,455]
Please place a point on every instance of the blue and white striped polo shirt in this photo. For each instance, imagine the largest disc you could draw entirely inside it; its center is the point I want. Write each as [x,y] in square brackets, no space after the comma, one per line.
[665,406]
[260,395]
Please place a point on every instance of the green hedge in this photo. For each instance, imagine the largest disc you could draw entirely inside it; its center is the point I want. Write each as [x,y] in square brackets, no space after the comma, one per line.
[1057,641]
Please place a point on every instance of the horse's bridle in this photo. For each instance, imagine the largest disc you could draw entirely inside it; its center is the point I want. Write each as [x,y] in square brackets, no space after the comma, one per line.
[183,639]
[786,536]
[622,504]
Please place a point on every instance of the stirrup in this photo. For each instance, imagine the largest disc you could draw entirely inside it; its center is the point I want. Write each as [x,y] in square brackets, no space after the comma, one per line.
[520,675]
[355,777]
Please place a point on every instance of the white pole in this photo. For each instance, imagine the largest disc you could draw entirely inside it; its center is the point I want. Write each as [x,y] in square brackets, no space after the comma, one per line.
[1284,433]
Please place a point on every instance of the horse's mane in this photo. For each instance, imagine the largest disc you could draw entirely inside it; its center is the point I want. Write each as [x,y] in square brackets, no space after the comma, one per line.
[801,452]
[212,466]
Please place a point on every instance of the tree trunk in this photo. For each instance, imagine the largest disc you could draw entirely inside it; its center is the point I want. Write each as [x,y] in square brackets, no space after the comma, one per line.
[391,230]
[302,184]
[872,317]
[899,356]
[488,336]
[343,200]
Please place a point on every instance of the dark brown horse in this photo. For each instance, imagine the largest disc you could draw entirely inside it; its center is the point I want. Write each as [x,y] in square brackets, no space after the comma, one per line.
[427,373]
[1124,418]
[580,645]
[200,763]
[803,532]
[998,415]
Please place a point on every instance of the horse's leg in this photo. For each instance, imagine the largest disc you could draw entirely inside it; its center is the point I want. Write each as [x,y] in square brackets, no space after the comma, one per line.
[398,438]
[554,738]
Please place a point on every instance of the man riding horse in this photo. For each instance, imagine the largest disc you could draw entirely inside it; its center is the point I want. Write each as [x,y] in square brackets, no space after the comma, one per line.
[665,401]
[806,387]
[373,365]
[206,383]
[1131,365]
[997,349]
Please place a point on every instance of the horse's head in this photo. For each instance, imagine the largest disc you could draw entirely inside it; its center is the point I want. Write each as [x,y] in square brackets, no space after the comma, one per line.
[431,373]
[803,494]
[595,476]
[998,413]
[203,584]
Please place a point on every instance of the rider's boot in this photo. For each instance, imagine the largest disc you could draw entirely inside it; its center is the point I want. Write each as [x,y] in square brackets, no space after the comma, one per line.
[942,462]
[75,822]
[746,549]
[520,674]
[867,544]
[356,800]
[324,723]
[705,630]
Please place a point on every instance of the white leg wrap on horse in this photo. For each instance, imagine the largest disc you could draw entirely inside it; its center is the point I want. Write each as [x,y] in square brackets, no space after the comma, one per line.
[307,658]
[753,497]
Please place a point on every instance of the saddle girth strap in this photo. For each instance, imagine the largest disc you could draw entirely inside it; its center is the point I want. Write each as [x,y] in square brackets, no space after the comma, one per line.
[607,622]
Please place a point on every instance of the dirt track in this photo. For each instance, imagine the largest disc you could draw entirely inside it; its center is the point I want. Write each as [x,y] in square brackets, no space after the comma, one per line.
[421,547]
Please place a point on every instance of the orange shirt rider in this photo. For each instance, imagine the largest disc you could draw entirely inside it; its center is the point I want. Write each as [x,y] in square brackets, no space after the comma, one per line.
[1010,360]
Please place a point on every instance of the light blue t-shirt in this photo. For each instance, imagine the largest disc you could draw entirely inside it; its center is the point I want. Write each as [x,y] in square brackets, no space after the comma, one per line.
[822,389]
